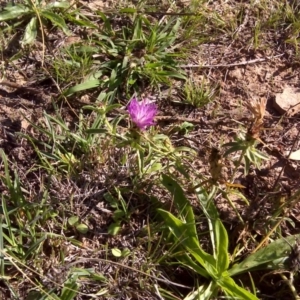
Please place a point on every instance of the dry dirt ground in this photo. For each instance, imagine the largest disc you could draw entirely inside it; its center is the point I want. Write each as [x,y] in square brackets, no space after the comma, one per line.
[241,71]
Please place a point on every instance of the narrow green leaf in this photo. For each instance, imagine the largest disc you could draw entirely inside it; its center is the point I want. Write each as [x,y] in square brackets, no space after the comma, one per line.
[96,130]
[2,272]
[186,260]
[182,203]
[261,155]
[90,84]
[34,246]
[233,290]
[250,155]
[56,20]
[172,74]
[189,241]
[230,144]
[128,10]
[125,62]
[137,33]
[69,290]
[221,238]
[235,148]
[81,22]
[272,256]
[126,252]
[247,164]
[204,292]
[59,4]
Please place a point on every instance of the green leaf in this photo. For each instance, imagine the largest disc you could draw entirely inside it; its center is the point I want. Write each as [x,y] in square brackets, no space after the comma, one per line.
[154,168]
[234,148]
[221,238]
[36,295]
[186,260]
[88,273]
[114,228]
[116,252]
[247,165]
[72,221]
[210,211]
[182,203]
[138,32]
[273,256]
[59,4]
[81,22]
[172,74]
[13,12]
[128,10]
[30,32]
[187,238]
[82,228]
[34,246]
[118,214]
[125,252]
[261,155]
[56,20]
[230,144]
[96,130]
[204,292]
[69,290]
[90,84]
[250,155]
[233,290]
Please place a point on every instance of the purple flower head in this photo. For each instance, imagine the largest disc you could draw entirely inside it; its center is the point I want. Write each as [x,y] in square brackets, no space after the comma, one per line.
[142,112]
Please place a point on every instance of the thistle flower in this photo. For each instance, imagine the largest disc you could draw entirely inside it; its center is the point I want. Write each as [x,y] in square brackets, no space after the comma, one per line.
[142,112]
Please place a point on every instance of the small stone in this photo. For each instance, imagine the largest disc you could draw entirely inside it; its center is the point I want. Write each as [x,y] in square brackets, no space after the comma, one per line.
[236,74]
[288,101]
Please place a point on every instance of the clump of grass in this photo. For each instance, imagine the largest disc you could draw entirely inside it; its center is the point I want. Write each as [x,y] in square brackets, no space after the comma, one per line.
[199,94]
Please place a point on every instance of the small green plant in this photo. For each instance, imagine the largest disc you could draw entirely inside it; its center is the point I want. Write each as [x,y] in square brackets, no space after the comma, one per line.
[248,151]
[32,14]
[198,95]
[72,64]
[135,57]
[121,212]
[246,143]
[74,222]
[216,266]
[63,147]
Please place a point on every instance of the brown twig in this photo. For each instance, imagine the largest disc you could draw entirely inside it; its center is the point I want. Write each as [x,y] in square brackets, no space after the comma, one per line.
[243,63]
[16,85]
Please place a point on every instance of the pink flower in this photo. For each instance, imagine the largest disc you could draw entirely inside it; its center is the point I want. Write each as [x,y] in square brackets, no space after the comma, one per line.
[142,112]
